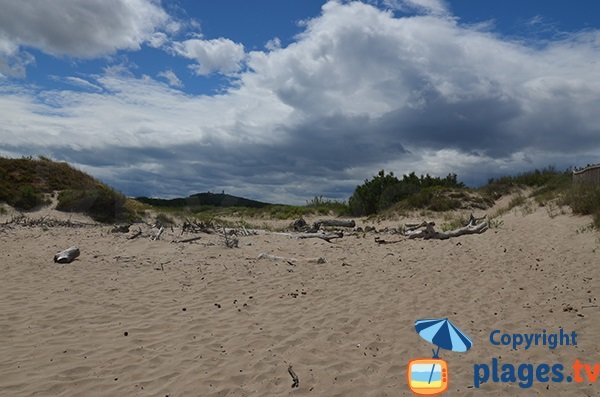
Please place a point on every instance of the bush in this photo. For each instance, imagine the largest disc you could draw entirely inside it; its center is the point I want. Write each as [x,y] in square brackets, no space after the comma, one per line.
[324,206]
[28,198]
[101,203]
[383,191]
[583,199]
[545,181]
[164,220]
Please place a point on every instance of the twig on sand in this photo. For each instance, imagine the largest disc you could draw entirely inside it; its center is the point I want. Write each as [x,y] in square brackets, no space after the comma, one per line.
[136,235]
[160,231]
[324,236]
[382,241]
[296,382]
[188,240]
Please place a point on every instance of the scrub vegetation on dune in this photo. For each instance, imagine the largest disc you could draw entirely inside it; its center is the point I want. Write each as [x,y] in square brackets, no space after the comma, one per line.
[27,184]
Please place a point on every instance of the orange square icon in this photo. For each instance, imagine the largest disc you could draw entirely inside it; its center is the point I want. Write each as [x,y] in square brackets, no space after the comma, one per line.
[427,376]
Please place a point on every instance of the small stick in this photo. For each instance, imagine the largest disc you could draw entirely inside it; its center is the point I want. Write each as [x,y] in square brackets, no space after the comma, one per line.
[136,235]
[188,240]
[294,377]
[160,231]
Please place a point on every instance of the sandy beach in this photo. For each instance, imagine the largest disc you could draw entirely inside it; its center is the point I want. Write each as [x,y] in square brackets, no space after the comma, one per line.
[155,318]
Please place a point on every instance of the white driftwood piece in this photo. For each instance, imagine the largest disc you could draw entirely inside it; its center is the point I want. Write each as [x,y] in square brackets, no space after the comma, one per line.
[324,236]
[67,256]
[430,233]
[160,231]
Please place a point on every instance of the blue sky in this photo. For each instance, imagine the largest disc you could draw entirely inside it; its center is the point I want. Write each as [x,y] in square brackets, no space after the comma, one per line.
[285,100]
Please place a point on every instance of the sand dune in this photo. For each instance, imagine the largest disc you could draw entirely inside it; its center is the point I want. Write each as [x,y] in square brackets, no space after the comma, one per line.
[153,318]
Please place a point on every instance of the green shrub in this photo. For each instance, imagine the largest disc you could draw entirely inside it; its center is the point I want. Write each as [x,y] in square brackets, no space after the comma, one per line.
[101,203]
[583,199]
[324,206]
[434,198]
[544,181]
[165,220]
[384,190]
[28,198]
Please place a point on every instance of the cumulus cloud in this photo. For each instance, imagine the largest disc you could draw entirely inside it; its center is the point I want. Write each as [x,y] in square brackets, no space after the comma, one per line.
[77,28]
[171,78]
[273,44]
[218,55]
[437,7]
[80,28]
[358,90]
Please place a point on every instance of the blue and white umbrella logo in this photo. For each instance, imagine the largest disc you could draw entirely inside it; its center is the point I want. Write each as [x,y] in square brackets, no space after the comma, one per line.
[442,333]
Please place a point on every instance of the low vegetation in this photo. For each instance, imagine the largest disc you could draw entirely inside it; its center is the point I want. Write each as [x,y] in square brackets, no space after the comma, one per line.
[384,191]
[551,189]
[28,183]
[25,184]
[584,200]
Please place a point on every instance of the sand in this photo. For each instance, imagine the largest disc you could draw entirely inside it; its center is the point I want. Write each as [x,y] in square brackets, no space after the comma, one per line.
[154,318]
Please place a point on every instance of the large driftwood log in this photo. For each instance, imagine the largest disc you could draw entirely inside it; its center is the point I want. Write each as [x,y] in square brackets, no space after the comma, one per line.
[324,236]
[67,256]
[300,225]
[336,223]
[427,231]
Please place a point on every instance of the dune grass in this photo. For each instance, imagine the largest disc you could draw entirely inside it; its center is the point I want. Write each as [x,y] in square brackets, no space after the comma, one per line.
[25,182]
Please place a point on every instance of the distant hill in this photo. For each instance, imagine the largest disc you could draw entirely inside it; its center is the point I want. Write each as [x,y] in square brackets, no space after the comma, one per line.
[204,199]
[25,182]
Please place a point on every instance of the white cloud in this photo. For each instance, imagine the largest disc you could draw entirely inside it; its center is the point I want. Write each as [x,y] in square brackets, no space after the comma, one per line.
[171,78]
[218,55]
[273,44]
[80,28]
[436,7]
[359,90]
[82,83]
[77,28]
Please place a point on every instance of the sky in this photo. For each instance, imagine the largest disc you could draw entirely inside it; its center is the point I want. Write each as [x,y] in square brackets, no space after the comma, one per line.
[282,101]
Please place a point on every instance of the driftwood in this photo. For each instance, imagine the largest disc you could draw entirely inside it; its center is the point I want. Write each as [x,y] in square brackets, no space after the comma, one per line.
[427,231]
[188,240]
[135,235]
[409,227]
[198,227]
[382,241]
[160,232]
[230,241]
[120,229]
[67,256]
[300,225]
[323,236]
[295,379]
[336,223]
[22,220]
